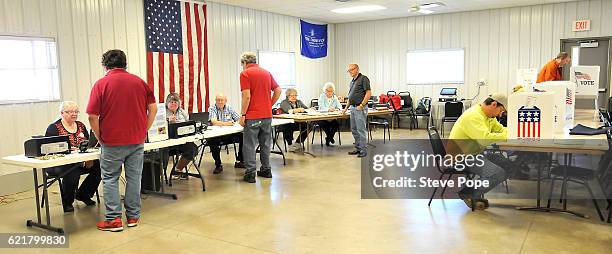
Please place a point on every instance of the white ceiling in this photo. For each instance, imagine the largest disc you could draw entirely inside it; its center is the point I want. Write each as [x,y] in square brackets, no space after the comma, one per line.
[319,10]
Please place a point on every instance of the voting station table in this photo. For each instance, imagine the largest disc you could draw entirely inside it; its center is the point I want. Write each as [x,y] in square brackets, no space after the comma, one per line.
[565,144]
[37,164]
[310,117]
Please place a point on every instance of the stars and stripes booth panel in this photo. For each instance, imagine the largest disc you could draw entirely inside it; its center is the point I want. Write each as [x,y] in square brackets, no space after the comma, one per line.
[530,116]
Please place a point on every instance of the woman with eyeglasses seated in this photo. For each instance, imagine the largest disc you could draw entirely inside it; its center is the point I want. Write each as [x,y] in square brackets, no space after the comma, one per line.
[76,131]
[291,105]
[328,101]
[175,114]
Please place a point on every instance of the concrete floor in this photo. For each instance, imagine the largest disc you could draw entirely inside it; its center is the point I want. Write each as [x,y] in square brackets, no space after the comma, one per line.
[314,206]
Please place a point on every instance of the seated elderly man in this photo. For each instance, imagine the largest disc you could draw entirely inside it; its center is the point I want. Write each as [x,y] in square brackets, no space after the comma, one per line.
[222,114]
[292,105]
[76,131]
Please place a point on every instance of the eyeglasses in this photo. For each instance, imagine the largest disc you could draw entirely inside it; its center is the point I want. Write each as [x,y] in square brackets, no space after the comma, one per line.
[72,112]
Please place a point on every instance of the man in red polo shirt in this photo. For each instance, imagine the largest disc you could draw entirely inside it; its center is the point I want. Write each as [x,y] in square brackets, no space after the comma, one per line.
[256,85]
[121,109]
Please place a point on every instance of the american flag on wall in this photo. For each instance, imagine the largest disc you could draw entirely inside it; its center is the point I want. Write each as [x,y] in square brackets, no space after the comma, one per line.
[177,54]
[528,123]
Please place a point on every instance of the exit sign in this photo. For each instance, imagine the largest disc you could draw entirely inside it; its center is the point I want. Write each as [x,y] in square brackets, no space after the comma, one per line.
[581,25]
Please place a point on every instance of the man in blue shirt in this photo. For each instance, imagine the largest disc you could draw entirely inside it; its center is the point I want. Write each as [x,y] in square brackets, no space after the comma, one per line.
[222,114]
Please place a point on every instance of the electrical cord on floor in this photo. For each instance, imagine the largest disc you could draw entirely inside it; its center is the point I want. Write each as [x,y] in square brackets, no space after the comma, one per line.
[12,198]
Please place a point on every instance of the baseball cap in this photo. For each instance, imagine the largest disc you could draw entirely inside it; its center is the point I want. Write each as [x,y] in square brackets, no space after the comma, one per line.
[500,98]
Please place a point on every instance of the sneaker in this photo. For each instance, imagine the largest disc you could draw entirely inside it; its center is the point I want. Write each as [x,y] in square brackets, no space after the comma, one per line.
[479,204]
[296,147]
[132,222]
[355,152]
[328,142]
[218,169]
[239,164]
[114,225]
[264,174]
[249,178]
[361,155]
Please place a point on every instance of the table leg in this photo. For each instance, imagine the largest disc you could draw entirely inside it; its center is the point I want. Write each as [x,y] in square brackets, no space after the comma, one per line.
[539,208]
[39,224]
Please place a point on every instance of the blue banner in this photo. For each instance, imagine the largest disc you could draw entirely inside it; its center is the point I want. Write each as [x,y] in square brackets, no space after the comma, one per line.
[314,40]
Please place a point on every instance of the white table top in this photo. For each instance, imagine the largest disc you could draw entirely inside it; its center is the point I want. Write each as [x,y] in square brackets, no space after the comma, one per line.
[212,131]
[564,142]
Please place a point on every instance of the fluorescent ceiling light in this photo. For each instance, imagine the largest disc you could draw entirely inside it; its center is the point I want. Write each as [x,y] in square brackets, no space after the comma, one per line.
[431,5]
[357,9]
[425,11]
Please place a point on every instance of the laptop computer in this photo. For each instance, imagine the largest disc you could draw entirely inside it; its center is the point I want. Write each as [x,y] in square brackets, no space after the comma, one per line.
[201,120]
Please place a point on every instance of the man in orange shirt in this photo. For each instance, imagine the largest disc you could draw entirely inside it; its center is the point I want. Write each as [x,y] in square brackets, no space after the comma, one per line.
[552,70]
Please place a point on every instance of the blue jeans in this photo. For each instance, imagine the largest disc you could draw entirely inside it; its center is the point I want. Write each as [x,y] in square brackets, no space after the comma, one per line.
[490,171]
[111,160]
[359,128]
[257,131]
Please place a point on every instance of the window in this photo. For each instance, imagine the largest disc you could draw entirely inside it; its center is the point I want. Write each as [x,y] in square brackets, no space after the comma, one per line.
[28,69]
[435,66]
[281,65]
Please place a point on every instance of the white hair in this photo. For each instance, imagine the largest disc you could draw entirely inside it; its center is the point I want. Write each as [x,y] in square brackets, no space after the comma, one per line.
[329,85]
[66,104]
[248,57]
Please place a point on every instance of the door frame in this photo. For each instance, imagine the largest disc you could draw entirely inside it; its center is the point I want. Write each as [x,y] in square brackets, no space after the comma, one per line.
[609,71]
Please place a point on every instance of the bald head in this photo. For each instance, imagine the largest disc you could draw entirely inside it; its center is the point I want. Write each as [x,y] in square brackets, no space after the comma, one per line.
[353,70]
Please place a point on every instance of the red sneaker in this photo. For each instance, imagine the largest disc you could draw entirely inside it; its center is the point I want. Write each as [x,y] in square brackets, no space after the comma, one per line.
[132,222]
[114,225]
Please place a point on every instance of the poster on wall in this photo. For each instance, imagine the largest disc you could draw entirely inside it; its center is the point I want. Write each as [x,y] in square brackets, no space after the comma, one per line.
[159,128]
[530,117]
[586,79]
[526,77]
[314,40]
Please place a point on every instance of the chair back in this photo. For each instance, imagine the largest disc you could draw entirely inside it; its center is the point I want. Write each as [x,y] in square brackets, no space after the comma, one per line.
[453,109]
[314,103]
[406,99]
[437,146]
[424,106]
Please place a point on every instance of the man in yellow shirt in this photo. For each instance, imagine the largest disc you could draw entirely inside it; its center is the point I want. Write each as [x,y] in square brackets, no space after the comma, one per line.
[475,129]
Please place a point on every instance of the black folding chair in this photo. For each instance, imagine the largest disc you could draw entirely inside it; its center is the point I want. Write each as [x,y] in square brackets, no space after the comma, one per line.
[452,112]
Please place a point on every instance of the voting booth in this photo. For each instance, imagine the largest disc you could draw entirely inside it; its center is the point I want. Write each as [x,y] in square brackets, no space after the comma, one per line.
[564,102]
[530,116]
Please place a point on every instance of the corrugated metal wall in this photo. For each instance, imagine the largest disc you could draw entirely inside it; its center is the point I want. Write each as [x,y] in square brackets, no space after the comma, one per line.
[84,29]
[496,42]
